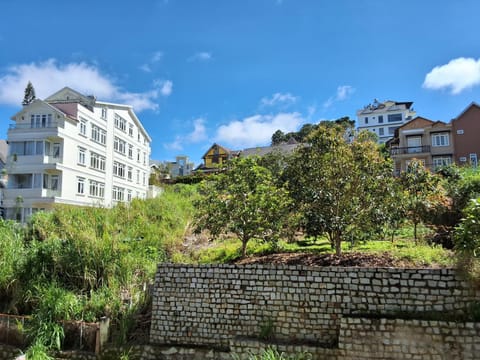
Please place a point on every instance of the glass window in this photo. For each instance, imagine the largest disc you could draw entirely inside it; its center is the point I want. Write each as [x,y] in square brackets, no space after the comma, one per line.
[394,117]
[380,119]
[80,185]
[366,120]
[83,127]
[82,156]
[440,139]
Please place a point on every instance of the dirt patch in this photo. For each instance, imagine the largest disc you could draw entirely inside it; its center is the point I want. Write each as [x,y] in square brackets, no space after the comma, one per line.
[350,259]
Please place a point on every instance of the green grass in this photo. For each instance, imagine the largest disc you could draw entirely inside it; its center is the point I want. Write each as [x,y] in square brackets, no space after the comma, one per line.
[402,248]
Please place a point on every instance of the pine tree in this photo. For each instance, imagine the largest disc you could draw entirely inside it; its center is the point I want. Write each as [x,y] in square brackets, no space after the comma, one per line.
[29,94]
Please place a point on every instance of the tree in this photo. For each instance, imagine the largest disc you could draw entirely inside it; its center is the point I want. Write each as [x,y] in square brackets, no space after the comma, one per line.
[278,137]
[467,233]
[338,185]
[422,192]
[243,200]
[29,94]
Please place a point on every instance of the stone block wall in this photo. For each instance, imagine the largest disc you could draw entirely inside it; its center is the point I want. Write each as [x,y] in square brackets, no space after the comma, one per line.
[224,306]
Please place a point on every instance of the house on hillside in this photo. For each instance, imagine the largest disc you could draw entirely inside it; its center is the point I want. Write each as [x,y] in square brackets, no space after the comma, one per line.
[214,158]
[72,149]
[466,135]
[426,140]
[383,118]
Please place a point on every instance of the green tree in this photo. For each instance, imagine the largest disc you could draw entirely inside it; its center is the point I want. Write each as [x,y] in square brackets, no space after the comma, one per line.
[422,192]
[278,137]
[243,200]
[467,233]
[29,94]
[337,185]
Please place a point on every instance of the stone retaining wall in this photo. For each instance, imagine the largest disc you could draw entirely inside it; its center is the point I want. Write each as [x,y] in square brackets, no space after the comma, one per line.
[215,306]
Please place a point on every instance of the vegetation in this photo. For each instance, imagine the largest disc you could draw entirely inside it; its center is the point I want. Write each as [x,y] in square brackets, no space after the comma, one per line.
[29,96]
[84,263]
[244,201]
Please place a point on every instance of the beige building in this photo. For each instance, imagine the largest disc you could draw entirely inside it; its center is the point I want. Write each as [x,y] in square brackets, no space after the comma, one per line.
[428,141]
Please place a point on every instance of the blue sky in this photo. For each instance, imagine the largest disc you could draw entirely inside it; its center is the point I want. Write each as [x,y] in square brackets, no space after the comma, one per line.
[233,72]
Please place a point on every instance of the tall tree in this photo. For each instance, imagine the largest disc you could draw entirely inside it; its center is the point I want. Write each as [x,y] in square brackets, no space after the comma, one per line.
[244,201]
[338,185]
[29,94]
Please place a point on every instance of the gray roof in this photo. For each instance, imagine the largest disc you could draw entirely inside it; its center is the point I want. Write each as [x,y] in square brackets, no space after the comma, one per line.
[264,150]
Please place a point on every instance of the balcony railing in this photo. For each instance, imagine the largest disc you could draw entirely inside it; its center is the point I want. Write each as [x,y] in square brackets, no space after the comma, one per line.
[50,125]
[410,150]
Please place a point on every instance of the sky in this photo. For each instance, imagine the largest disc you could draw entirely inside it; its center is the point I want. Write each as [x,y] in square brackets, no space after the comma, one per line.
[235,71]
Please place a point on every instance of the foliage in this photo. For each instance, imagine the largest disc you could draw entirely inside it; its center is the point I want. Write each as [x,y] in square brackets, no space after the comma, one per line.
[422,192]
[339,186]
[29,96]
[245,201]
[272,354]
[467,233]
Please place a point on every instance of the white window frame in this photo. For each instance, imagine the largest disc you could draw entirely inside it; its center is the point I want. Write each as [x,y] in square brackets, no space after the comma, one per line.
[83,127]
[441,161]
[80,185]
[99,135]
[82,156]
[440,139]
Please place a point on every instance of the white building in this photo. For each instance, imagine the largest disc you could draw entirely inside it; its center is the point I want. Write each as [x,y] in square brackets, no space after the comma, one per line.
[384,118]
[72,149]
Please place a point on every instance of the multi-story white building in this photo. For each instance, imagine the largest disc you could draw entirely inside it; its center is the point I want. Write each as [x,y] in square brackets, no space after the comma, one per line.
[72,149]
[384,118]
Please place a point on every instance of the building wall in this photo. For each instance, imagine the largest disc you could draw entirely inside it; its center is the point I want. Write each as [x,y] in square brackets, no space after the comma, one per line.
[466,130]
[322,310]
[66,131]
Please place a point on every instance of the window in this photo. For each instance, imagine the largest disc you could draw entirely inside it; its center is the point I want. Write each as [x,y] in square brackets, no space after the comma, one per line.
[118,169]
[56,150]
[366,120]
[394,117]
[40,120]
[380,119]
[99,135]
[391,130]
[138,176]
[119,145]
[129,173]
[144,179]
[380,131]
[104,113]
[414,144]
[54,182]
[118,193]
[440,139]
[97,161]
[138,155]
[83,127]
[80,185]
[37,181]
[129,195]
[26,148]
[130,151]
[82,156]
[460,132]
[97,189]
[130,130]
[473,160]
[144,159]
[441,161]
[120,123]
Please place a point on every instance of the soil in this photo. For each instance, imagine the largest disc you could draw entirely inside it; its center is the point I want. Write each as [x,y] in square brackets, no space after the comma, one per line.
[350,259]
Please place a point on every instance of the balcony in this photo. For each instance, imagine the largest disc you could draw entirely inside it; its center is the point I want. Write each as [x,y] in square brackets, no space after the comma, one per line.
[50,125]
[30,193]
[410,150]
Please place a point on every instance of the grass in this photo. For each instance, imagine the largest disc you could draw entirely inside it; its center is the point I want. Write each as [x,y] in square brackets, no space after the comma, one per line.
[402,248]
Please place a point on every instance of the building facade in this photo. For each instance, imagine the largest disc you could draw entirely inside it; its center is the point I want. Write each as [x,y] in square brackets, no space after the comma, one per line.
[466,134]
[384,118]
[72,149]
[429,141]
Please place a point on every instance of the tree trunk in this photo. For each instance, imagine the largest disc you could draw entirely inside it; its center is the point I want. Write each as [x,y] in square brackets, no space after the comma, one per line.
[338,245]
[415,231]
[244,247]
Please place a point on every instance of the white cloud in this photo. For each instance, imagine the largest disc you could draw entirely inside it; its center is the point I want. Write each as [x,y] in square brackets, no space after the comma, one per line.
[257,130]
[198,134]
[49,76]
[155,58]
[201,56]
[459,74]
[279,99]
[343,93]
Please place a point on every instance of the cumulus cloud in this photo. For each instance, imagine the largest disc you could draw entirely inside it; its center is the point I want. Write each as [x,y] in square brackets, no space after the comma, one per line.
[459,74]
[257,130]
[343,93]
[279,99]
[49,76]
[201,56]
[198,134]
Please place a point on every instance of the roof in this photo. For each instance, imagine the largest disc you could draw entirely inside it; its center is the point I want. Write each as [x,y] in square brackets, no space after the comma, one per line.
[261,151]
[43,102]
[228,151]
[472,104]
